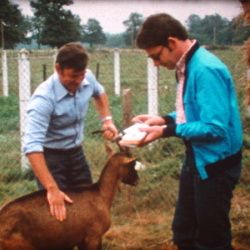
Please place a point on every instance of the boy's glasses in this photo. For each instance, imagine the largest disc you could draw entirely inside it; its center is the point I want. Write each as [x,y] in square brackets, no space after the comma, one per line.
[156,57]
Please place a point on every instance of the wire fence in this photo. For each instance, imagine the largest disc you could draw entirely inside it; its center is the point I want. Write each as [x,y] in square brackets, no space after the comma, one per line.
[33,64]
[114,69]
[117,71]
[22,71]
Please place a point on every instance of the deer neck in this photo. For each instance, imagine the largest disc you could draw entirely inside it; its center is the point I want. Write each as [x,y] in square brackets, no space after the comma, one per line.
[108,182]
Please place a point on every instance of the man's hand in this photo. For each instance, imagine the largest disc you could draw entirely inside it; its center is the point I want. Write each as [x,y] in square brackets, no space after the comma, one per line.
[150,120]
[56,200]
[55,197]
[154,130]
[110,130]
[153,133]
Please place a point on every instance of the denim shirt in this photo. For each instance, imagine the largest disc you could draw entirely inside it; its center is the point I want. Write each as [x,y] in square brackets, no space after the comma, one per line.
[56,117]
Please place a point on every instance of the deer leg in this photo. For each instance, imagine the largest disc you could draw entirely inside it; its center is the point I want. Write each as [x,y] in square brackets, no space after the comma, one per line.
[16,241]
[91,244]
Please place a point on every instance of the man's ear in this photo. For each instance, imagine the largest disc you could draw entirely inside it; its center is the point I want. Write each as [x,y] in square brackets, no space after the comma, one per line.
[172,43]
[57,67]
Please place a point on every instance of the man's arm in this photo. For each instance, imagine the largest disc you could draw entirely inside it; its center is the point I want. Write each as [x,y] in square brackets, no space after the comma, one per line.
[55,197]
[102,106]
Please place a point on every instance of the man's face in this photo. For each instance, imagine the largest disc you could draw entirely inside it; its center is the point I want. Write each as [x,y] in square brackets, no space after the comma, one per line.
[70,79]
[163,56]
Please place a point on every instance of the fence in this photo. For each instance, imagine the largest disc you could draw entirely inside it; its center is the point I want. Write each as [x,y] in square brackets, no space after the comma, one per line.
[158,188]
[28,76]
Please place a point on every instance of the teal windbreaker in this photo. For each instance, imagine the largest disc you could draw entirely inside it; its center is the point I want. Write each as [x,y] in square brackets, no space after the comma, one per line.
[213,122]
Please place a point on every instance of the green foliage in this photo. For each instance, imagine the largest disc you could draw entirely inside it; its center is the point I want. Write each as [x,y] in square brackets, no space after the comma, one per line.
[9,114]
[53,25]
[43,7]
[92,33]
[216,30]
[137,207]
[132,25]
[241,31]
[15,25]
[115,41]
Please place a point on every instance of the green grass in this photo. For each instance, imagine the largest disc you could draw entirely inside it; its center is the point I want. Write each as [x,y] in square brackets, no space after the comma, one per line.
[146,210]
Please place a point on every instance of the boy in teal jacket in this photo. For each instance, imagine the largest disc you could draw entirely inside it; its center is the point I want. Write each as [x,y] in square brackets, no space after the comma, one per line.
[207,119]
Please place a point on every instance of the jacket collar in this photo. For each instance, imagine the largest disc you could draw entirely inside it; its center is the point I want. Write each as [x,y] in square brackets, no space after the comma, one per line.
[191,52]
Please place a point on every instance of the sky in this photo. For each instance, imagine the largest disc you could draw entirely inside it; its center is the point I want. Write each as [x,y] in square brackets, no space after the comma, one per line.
[112,13]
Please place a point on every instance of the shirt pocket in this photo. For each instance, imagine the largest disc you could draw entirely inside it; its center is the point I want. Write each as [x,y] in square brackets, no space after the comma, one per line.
[64,114]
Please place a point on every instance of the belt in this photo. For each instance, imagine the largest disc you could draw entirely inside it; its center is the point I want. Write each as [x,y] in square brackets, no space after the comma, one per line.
[62,151]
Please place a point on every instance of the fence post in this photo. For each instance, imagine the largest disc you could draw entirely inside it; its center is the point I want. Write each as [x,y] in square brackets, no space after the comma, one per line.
[97,71]
[248,91]
[24,96]
[117,72]
[44,72]
[127,107]
[5,73]
[152,88]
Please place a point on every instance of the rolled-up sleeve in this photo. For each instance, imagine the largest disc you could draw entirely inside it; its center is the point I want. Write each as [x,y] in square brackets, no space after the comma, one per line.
[38,118]
[98,89]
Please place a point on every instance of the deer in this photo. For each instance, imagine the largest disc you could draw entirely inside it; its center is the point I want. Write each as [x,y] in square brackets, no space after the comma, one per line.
[26,222]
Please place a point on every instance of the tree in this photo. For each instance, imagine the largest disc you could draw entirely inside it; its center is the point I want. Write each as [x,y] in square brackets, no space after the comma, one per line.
[55,26]
[15,26]
[239,30]
[115,41]
[36,29]
[213,25]
[133,25]
[194,24]
[92,33]
[195,29]
[216,30]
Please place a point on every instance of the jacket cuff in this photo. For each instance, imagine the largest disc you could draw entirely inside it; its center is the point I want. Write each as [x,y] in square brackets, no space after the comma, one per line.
[169,130]
[168,119]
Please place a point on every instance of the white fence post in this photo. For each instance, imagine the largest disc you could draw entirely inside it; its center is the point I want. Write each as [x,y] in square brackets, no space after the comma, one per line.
[117,73]
[152,88]
[24,96]
[5,73]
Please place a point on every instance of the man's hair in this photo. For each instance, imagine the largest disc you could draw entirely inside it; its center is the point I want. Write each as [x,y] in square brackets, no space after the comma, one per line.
[156,30]
[72,56]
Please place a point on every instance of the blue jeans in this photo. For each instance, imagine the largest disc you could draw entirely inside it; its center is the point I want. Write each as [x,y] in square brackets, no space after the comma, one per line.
[69,168]
[201,219]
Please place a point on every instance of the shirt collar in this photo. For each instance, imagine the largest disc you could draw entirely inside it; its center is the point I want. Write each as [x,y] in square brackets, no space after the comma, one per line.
[61,91]
[180,66]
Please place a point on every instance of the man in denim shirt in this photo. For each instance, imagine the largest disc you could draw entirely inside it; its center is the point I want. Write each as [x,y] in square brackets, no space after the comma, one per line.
[55,126]
[207,120]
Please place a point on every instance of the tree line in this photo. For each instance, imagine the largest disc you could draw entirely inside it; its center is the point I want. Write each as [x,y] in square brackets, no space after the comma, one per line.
[54,26]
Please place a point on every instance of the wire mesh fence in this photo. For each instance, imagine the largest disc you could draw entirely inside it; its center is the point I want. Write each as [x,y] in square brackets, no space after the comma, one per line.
[134,72]
[157,190]
[27,69]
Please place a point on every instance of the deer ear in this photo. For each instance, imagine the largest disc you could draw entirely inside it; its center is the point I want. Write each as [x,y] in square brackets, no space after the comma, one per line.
[108,149]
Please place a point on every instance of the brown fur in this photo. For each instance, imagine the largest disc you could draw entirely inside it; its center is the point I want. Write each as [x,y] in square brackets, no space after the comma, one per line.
[26,223]
[6,203]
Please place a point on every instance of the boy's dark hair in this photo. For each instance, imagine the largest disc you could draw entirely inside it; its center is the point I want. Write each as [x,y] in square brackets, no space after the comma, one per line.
[72,55]
[156,30]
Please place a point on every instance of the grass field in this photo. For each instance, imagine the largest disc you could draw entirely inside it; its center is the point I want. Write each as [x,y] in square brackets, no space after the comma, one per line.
[141,216]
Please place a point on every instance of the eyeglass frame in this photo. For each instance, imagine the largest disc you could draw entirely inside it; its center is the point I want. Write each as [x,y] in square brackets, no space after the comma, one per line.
[156,57]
